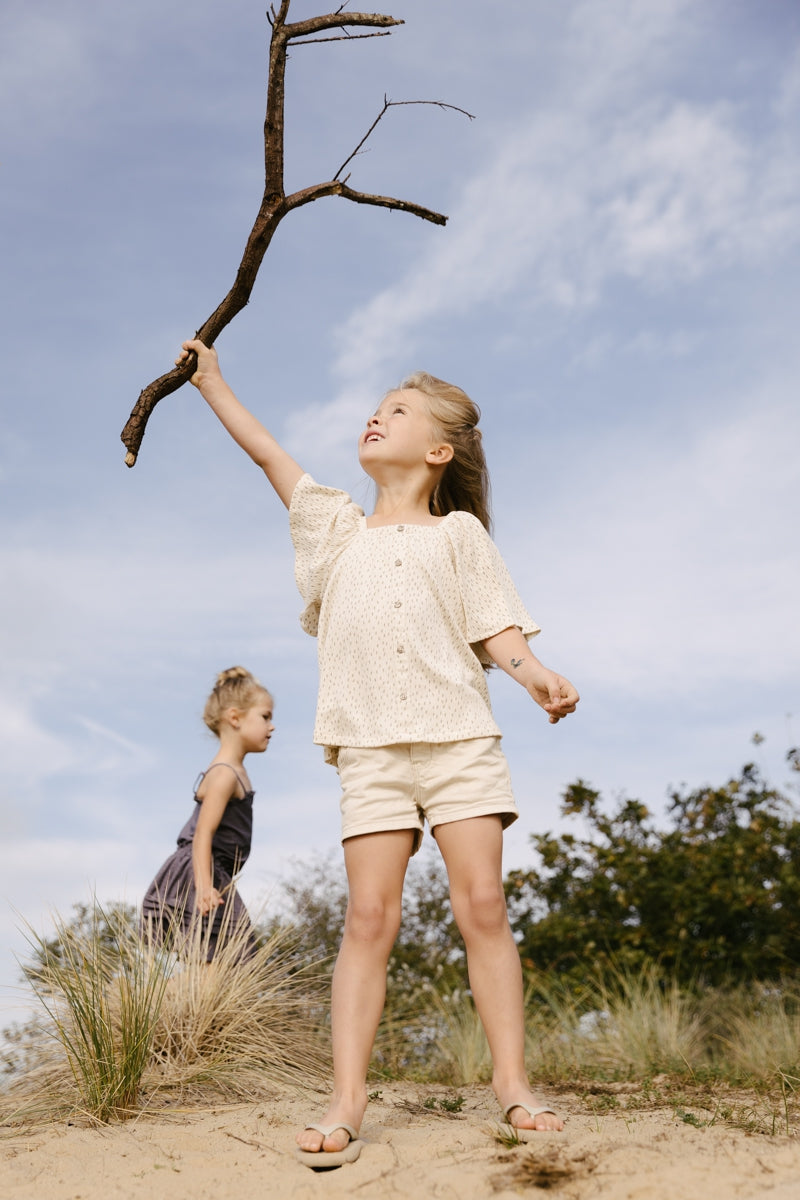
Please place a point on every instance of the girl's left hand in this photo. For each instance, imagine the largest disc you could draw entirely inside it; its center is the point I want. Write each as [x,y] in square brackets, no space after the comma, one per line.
[555,694]
[208,900]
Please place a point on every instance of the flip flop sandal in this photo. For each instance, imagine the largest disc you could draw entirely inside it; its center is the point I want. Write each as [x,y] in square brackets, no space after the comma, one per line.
[326,1160]
[526,1135]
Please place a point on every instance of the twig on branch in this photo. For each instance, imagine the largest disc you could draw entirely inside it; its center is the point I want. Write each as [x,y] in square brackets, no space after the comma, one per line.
[387,104]
[345,37]
[275,203]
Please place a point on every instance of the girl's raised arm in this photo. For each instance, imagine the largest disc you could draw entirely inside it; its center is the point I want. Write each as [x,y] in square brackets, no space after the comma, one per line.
[278,466]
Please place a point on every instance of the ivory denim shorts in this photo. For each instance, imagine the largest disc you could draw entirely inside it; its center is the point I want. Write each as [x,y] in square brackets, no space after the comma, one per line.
[402,786]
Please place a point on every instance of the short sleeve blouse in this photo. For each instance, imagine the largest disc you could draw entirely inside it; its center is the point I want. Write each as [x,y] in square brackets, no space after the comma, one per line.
[400,612]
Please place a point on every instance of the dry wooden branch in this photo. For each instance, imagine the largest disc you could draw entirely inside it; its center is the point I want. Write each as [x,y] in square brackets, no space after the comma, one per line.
[387,104]
[275,203]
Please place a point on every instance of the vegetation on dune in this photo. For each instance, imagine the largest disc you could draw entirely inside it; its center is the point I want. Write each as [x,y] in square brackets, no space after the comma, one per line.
[126,1024]
[666,954]
[713,899]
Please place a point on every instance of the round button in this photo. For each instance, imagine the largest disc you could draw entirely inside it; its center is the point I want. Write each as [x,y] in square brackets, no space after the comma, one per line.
[400,649]
[398,603]
[400,528]
[398,562]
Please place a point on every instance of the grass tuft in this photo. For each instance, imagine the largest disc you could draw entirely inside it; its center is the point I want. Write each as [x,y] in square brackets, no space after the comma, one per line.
[126,1024]
[102,1001]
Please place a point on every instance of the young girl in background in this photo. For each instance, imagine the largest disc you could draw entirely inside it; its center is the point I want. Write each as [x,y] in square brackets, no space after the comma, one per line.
[196,881]
[408,606]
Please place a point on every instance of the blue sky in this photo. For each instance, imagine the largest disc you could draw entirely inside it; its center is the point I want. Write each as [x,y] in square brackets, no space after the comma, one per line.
[617,287]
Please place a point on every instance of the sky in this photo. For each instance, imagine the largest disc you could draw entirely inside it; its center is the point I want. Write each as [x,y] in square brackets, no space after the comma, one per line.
[617,286]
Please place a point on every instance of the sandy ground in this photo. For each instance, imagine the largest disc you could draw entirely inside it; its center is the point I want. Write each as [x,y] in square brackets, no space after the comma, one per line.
[246,1152]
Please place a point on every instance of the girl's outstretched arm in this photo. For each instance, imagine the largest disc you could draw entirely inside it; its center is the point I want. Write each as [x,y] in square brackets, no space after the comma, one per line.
[552,692]
[278,466]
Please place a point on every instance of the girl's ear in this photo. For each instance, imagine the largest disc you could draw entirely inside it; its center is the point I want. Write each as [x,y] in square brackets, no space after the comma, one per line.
[439,456]
[233,716]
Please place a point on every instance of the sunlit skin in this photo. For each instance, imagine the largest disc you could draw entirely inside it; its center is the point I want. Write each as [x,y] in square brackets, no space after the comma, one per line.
[401,451]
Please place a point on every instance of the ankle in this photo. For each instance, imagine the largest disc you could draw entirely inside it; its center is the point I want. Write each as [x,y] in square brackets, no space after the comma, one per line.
[511,1086]
[349,1098]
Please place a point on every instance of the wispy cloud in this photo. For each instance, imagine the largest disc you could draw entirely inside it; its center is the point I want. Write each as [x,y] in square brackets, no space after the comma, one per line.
[659,192]
[681,572]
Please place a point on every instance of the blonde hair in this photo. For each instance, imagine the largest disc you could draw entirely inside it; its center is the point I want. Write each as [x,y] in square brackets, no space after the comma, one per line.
[464,483]
[235,688]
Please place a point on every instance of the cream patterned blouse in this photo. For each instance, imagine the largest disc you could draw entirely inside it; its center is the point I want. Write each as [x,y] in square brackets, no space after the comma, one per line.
[399,612]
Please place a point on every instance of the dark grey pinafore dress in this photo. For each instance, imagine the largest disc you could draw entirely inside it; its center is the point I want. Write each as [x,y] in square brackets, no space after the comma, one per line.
[168,907]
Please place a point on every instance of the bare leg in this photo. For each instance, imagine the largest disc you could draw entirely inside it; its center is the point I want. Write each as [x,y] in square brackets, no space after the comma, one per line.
[472,852]
[376,866]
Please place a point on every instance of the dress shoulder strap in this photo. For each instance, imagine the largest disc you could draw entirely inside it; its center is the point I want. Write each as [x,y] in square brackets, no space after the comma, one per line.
[203,774]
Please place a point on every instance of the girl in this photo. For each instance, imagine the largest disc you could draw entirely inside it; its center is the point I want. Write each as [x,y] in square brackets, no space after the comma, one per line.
[408,606]
[197,879]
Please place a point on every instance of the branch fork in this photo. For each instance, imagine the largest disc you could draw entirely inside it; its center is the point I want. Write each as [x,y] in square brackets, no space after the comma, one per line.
[275,203]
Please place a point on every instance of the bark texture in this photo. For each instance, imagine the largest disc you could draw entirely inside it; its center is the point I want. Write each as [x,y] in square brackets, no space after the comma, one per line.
[275,203]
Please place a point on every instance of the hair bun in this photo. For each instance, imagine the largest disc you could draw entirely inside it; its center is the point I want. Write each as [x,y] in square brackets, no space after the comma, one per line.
[231,674]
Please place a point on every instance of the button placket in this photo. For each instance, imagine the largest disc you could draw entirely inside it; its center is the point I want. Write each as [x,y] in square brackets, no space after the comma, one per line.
[400,626]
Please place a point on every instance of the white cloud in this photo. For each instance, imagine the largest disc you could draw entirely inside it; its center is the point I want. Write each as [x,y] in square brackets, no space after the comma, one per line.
[610,45]
[27,748]
[660,193]
[676,570]
[86,635]
[787,104]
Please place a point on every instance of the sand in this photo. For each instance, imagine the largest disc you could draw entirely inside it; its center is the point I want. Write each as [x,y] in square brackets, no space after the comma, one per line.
[246,1152]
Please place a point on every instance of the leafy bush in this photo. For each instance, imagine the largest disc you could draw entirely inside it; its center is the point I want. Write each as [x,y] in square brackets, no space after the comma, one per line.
[713,899]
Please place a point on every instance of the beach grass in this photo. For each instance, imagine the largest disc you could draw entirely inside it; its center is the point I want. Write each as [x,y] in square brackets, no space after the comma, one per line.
[636,1040]
[127,1024]
[101,997]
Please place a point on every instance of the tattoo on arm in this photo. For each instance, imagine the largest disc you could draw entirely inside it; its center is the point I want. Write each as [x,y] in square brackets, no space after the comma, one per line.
[516,662]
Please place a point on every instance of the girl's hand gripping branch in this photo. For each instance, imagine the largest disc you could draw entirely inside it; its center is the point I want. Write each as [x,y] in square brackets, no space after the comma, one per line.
[245,429]
[551,691]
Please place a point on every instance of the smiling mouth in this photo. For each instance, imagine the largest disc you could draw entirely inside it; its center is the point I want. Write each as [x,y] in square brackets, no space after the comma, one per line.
[373,437]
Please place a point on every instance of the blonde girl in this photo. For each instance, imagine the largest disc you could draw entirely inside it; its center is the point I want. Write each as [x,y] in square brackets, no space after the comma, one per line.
[196,881]
[408,606]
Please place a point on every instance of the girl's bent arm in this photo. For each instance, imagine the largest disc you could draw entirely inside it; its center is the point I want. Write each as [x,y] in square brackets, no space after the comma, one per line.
[216,794]
[552,692]
[280,468]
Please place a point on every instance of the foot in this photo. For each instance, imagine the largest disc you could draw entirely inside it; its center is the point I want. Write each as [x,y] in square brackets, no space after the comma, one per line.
[516,1106]
[535,1118]
[339,1115]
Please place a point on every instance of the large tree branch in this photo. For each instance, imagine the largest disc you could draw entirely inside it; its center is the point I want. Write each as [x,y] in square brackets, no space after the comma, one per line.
[338,20]
[338,187]
[275,204]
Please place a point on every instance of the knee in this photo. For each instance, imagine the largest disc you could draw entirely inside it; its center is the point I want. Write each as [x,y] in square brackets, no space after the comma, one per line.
[372,920]
[480,911]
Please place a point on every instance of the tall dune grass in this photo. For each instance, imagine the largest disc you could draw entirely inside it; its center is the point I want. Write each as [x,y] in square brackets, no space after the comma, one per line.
[644,1026]
[125,1023]
[244,1024]
[102,1005]
[461,1054]
[761,1031]
[632,1027]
